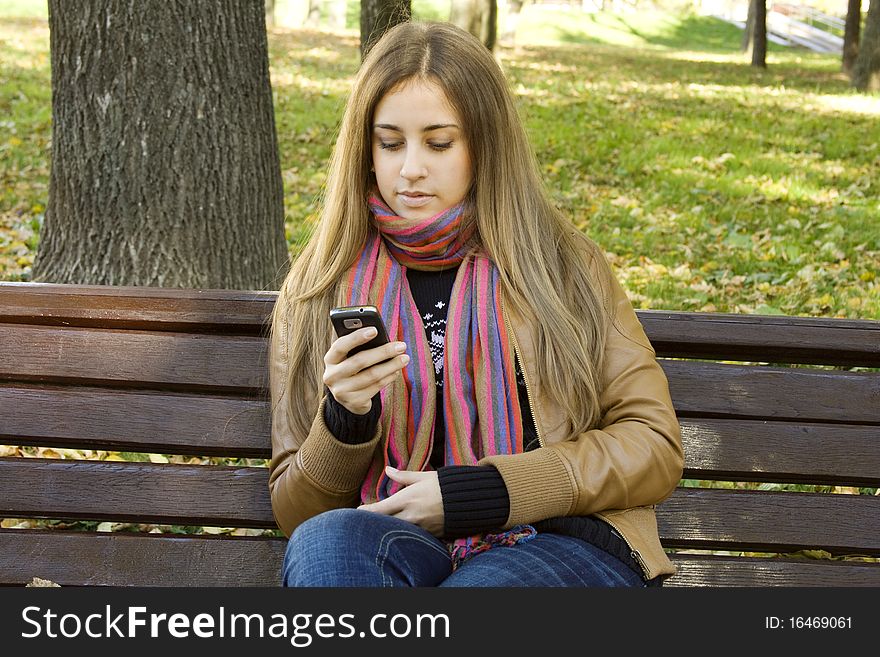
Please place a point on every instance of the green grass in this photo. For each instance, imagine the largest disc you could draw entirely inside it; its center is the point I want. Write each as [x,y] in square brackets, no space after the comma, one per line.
[712,186]
[645,29]
[24,8]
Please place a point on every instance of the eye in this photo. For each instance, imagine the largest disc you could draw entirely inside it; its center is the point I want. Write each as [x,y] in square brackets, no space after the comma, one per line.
[389,146]
[442,147]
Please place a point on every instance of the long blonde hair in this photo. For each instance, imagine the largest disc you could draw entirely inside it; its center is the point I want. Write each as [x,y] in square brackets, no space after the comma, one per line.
[538,253]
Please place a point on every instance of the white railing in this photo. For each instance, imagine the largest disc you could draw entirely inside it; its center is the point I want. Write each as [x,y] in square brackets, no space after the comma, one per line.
[811,16]
[806,27]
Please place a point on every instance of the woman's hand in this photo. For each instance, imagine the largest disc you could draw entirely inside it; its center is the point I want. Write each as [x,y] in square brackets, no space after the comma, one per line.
[355,381]
[419,502]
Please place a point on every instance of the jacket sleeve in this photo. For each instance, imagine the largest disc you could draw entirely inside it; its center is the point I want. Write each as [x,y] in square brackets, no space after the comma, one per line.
[312,473]
[633,458]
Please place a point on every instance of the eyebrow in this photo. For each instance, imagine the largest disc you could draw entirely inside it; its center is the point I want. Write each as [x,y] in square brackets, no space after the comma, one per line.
[427,128]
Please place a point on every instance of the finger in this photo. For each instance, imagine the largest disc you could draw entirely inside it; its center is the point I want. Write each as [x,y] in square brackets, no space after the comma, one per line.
[374,378]
[363,384]
[370,357]
[341,346]
[405,477]
[389,506]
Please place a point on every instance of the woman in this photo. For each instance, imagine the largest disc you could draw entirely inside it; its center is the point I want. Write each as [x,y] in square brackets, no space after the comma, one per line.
[517,430]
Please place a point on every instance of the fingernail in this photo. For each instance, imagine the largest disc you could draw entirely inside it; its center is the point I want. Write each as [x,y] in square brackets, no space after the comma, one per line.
[400,347]
[371,332]
[404,359]
[391,467]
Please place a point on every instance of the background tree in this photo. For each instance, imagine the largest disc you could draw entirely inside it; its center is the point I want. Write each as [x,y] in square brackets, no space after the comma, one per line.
[479,17]
[164,164]
[749,29]
[377,16]
[337,10]
[866,72]
[514,8]
[759,34]
[270,13]
[313,18]
[851,35]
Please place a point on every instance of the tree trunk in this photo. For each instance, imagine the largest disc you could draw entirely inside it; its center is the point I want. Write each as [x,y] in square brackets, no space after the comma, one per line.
[851,35]
[378,16]
[165,166]
[270,13]
[866,72]
[479,17]
[750,27]
[759,41]
[514,7]
[337,14]
[313,19]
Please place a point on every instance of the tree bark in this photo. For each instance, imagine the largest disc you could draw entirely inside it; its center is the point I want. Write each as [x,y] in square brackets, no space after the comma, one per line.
[750,27]
[866,72]
[851,31]
[479,17]
[378,16]
[759,40]
[165,168]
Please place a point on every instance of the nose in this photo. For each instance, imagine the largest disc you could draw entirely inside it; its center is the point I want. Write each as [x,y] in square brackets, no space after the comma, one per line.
[413,167]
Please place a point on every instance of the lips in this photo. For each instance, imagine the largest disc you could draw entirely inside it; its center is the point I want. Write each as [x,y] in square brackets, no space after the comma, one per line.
[414,199]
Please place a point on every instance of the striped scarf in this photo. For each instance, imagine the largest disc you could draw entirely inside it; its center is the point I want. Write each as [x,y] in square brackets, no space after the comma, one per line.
[481,408]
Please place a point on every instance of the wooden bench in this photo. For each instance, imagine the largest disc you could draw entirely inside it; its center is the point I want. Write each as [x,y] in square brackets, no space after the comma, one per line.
[184,372]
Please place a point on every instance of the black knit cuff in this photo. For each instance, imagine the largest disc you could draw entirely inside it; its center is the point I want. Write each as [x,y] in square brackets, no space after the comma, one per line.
[475,499]
[348,427]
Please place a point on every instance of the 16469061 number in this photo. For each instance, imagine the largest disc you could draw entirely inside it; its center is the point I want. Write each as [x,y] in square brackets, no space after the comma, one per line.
[820,622]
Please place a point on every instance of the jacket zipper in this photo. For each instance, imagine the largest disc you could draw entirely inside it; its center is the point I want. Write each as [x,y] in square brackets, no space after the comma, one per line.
[635,554]
[524,373]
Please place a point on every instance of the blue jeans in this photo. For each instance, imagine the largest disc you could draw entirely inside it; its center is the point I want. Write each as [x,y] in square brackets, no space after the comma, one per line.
[347,547]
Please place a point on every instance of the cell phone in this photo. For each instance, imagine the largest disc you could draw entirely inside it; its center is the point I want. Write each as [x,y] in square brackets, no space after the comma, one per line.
[348,319]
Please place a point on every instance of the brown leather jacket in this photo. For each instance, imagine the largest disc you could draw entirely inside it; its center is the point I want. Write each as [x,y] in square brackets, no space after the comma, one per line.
[617,472]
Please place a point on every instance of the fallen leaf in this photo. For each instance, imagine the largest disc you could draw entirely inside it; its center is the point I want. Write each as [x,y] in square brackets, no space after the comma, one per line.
[38,581]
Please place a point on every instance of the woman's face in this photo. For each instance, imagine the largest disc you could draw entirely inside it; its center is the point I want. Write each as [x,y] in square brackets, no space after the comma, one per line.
[420,157]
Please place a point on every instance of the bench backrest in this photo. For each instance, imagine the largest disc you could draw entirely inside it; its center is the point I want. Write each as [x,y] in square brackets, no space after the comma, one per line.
[162,371]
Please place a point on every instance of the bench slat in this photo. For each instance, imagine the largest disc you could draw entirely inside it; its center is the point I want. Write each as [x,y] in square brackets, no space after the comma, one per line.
[94,418]
[710,570]
[122,559]
[222,496]
[160,560]
[238,497]
[723,390]
[126,420]
[149,308]
[238,365]
[758,521]
[762,338]
[781,452]
[133,358]
[721,336]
